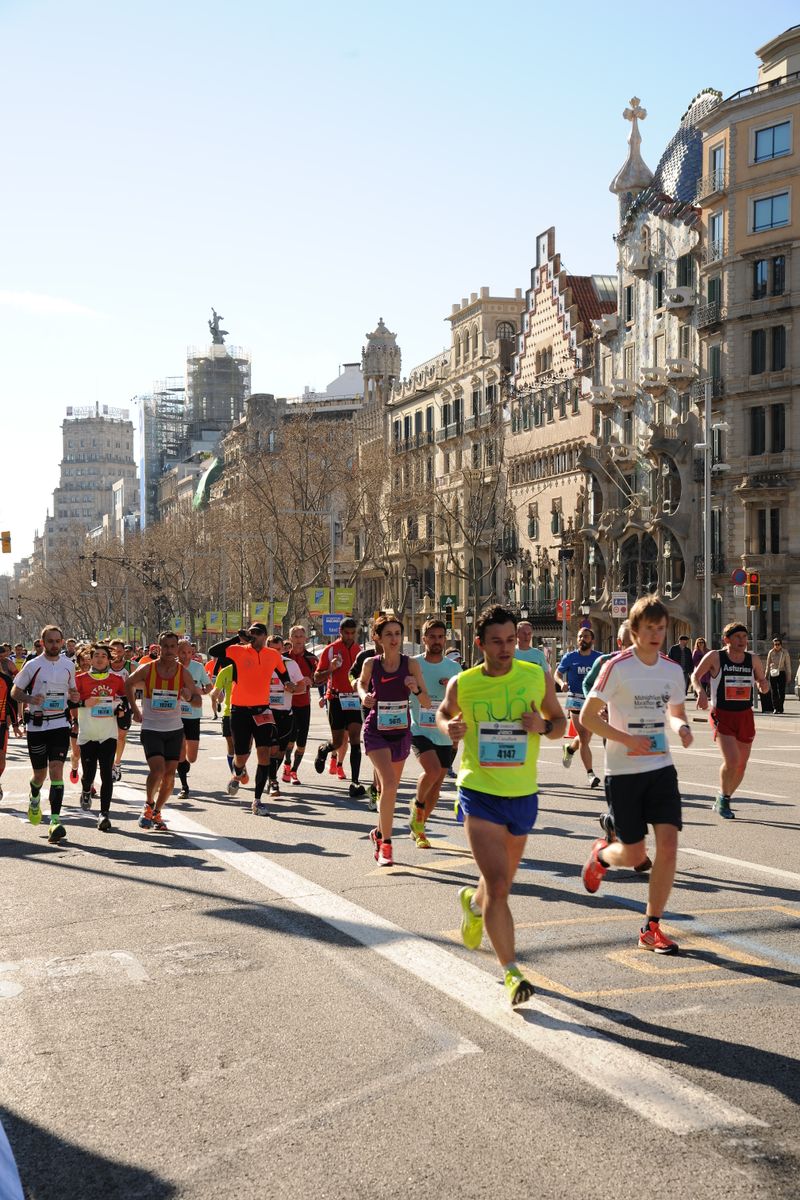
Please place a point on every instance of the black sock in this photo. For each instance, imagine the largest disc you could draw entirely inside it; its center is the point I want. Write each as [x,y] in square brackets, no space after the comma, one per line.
[298,758]
[183,771]
[56,796]
[355,762]
[647,921]
[238,770]
[261,780]
[273,769]
[35,789]
[287,758]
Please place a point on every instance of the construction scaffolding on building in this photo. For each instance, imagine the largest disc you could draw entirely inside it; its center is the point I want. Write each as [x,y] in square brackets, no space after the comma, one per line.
[162,439]
[217,382]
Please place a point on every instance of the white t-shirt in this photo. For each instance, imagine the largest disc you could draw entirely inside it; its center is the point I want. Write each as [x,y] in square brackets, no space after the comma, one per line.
[279,699]
[52,678]
[637,697]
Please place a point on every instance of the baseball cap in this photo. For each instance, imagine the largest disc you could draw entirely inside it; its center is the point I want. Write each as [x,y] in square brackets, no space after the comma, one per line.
[257,627]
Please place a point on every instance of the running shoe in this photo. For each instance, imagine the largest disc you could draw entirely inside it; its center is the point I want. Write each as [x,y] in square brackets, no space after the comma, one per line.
[566,756]
[471,923]
[594,782]
[34,809]
[56,832]
[86,800]
[722,806]
[146,819]
[287,773]
[375,838]
[159,823]
[103,822]
[334,765]
[244,779]
[607,826]
[319,759]
[233,785]
[643,867]
[421,840]
[339,772]
[183,794]
[73,775]
[1,791]
[260,809]
[357,790]
[593,872]
[518,987]
[372,803]
[654,938]
[385,855]
[294,779]
[115,774]
[273,788]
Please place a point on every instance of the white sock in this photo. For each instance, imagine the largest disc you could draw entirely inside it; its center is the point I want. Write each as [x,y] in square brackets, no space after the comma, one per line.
[473,908]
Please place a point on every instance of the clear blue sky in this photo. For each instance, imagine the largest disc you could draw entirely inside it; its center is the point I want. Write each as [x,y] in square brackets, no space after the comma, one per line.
[305,168]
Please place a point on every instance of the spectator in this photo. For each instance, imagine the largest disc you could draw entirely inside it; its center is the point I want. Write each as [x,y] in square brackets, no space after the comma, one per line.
[682,655]
[700,649]
[779,671]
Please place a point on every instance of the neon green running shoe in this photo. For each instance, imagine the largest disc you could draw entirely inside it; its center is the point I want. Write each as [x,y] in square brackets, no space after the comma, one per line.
[518,987]
[34,809]
[57,831]
[471,925]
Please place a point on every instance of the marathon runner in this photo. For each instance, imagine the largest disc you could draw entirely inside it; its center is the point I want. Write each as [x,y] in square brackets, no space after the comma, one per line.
[733,672]
[101,693]
[344,707]
[46,684]
[121,665]
[254,664]
[434,750]
[191,713]
[301,703]
[5,718]
[163,683]
[82,658]
[499,710]
[386,682]
[280,703]
[357,790]
[642,689]
[223,686]
[526,651]
[570,673]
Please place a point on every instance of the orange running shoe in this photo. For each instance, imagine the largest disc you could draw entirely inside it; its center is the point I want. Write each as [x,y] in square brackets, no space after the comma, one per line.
[593,872]
[654,938]
[333,765]
[340,772]
[244,778]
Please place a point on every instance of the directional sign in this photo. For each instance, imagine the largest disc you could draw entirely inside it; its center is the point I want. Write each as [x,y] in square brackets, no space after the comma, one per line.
[445,600]
[619,604]
[738,591]
[739,576]
[330,624]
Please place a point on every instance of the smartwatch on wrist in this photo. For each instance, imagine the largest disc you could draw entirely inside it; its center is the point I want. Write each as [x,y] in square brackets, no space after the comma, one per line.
[548,727]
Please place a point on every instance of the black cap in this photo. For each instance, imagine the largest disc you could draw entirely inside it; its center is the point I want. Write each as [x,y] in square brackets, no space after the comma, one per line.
[257,627]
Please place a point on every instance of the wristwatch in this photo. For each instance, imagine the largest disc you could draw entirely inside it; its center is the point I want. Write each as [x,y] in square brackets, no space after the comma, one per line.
[548,727]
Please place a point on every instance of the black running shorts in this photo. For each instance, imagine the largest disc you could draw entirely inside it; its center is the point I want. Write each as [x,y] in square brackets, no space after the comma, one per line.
[636,801]
[226,727]
[446,754]
[46,746]
[302,722]
[284,727]
[340,718]
[250,725]
[158,744]
[191,727]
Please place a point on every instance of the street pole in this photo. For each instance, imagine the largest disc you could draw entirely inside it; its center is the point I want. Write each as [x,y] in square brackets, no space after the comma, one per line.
[563,604]
[333,559]
[707,515]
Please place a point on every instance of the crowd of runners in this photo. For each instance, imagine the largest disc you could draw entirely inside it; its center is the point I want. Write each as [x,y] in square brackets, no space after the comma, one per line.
[78,702]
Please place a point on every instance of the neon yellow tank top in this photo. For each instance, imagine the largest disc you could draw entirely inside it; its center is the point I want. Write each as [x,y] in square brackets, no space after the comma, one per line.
[499,758]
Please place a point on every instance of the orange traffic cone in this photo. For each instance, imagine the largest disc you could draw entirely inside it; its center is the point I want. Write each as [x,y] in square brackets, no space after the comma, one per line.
[571,730]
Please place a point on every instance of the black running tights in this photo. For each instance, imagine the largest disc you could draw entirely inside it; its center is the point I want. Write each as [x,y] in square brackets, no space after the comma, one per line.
[102,754]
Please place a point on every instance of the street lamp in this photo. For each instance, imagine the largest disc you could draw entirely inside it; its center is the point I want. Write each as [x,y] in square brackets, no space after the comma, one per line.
[412,576]
[707,448]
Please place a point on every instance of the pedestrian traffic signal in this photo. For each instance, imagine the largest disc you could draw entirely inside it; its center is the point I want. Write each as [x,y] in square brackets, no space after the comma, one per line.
[5,536]
[448,615]
[752,590]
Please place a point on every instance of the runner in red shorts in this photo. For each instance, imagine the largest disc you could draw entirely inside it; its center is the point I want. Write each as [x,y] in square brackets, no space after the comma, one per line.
[734,671]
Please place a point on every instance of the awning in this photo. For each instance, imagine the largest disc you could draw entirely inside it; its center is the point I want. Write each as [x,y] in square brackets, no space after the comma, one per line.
[211,473]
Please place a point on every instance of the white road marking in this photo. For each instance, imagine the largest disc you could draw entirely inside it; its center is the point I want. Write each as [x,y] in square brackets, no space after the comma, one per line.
[655,1093]
[742,862]
[714,787]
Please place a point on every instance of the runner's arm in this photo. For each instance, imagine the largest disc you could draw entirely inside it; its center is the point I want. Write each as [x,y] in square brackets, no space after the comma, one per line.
[421,692]
[219,650]
[708,665]
[549,710]
[362,687]
[595,723]
[762,683]
[449,718]
[323,671]
[680,724]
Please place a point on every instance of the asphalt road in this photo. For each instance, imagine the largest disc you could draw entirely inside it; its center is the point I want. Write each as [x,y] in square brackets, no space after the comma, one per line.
[247,1007]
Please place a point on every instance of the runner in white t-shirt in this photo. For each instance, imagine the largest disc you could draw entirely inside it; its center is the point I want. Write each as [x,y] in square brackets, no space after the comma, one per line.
[281,707]
[644,693]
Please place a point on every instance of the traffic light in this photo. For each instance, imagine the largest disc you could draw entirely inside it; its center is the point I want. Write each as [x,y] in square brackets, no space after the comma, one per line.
[448,615]
[5,536]
[752,589]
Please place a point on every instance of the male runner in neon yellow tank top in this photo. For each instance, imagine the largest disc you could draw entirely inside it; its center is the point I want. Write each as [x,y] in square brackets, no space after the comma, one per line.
[499,710]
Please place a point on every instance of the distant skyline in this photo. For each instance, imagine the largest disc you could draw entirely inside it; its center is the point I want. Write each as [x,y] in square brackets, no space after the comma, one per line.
[305,172]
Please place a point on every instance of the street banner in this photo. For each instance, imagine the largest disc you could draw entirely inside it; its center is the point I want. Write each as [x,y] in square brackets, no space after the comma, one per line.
[619,604]
[330,624]
[560,610]
[234,621]
[281,608]
[318,601]
[214,622]
[259,610]
[178,625]
[343,600]
[118,632]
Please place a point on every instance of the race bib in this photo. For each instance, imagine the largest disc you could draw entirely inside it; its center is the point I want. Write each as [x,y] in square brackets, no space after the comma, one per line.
[106,709]
[349,702]
[55,702]
[737,691]
[186,709]
[427,718]
[502,744]
[575,702]
[164,700]
[392,714]
[264,718]
[654,730]
[278,698]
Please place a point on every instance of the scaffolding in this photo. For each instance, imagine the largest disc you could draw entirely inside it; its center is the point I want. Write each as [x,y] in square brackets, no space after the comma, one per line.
[162,437]
[217,383]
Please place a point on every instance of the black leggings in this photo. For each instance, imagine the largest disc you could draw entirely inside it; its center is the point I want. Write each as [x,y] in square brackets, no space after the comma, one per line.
[102,753]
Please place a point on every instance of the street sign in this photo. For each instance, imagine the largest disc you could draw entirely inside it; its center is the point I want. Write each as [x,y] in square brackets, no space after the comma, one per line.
[560,610]
[565,553]
[445,600]
[619,604]
[738,591]
[739,576]
[330,624]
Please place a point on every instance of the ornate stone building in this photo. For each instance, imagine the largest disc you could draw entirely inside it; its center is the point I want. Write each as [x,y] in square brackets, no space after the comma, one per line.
[750,336]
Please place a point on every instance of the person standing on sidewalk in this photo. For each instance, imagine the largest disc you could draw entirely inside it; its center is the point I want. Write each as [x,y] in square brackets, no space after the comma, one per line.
[779,672]
[681,654]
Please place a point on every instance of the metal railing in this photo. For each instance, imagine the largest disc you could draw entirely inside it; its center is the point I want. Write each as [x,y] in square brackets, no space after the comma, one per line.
[781,81]
[717,565]
[709,314]
[714,251]
[709,185]
[699,388]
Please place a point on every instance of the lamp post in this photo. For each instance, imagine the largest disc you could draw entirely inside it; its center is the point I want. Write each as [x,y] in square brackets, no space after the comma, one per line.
[708,466]
[412,577]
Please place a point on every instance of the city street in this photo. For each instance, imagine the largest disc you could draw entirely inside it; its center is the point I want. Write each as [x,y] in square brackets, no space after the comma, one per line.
[247,1007]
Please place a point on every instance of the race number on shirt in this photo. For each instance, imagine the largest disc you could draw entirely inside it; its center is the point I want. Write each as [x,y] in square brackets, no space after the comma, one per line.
[392,714]
[163,699]
[502,744]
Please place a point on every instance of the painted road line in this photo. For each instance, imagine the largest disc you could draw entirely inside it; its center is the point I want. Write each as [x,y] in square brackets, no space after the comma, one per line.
[714,787]
[655,1093]
[777,872]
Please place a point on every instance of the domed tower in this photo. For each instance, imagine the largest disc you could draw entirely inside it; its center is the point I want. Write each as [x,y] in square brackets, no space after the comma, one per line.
[380,363]
[634,175]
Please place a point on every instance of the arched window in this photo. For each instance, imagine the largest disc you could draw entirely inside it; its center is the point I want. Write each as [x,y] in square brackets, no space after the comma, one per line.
[466,345]
[475,342]
[505,331]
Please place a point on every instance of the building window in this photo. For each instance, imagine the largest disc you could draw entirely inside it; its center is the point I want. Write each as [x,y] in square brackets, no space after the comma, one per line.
[575,397]
[778,339]
[658,289]
[627,429]
[777,422]
[715,361]
[476,401]
[757,430]
[562,401]
[760,279]
[628,360]
[773,142]
[466,345]
[778,275]
[758,351]
[685,341]
[685,268]
[628,303]
[476,454]
[533,528]
[429,419]
[771,212]
[407,427]
[418,421]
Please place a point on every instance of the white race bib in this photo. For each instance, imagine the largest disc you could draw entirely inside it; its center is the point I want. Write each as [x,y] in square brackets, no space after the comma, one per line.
[654,730]
[392,715]
[427,717]
[55,702]
[349,702]
[106,709]
[186,709]
[502,744]
[164,700]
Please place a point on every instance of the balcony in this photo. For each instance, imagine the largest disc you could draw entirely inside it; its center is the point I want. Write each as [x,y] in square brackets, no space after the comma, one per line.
[469,424]
[710,315]
[622,453]
[680,299]
[717,565]
[625,391]
[713,251]
[606,325]
[638,261]
[714,184]
[654,380]
[681,372]
[699,389]
[601,397]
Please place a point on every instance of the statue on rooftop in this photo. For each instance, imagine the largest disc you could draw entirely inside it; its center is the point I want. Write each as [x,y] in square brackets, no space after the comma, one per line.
[217,335]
